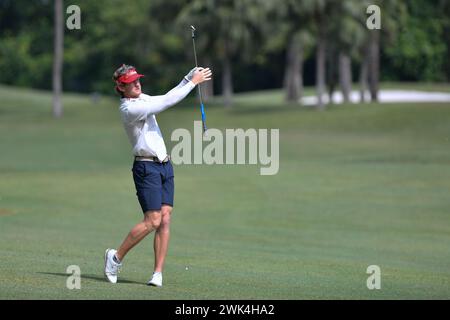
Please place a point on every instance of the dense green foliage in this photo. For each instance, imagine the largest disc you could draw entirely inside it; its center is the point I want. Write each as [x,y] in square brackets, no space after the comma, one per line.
[421,48]
[155,36]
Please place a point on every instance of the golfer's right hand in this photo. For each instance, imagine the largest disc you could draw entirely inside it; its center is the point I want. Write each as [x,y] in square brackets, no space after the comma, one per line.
[201,75]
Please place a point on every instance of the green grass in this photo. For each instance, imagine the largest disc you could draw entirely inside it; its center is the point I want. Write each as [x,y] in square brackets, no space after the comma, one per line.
[358,185]
[439,87]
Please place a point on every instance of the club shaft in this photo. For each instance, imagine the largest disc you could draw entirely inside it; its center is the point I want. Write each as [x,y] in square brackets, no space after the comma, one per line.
[199,88]
[196,65]
[195,51]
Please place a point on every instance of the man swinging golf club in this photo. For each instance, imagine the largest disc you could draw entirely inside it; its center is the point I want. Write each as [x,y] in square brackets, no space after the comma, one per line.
[152,170]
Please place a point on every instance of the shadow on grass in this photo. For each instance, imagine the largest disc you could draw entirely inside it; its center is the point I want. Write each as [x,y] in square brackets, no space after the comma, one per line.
[91,277]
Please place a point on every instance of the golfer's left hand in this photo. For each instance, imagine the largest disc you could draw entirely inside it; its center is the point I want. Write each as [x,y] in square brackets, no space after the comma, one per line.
[189,76]
[201,75]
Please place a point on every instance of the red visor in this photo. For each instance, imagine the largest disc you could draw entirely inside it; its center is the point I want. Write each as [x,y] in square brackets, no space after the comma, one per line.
[130,76]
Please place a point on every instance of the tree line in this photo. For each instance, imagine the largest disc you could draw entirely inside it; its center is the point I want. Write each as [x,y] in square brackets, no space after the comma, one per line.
[250,44]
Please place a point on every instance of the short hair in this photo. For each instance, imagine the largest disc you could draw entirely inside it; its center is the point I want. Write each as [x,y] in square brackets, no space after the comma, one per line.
[122,70]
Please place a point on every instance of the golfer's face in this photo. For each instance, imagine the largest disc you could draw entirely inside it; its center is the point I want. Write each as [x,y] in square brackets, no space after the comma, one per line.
[133,89]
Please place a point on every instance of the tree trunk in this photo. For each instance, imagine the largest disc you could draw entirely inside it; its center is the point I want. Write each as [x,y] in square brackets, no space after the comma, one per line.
[227,84]
[331,78]
[208,86]
[345,75]
[320,71]
[363,78]
[374,64]
[293,76]
[58,59]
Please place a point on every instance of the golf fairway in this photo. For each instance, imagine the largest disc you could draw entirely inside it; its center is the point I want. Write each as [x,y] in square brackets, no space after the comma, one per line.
[358,185]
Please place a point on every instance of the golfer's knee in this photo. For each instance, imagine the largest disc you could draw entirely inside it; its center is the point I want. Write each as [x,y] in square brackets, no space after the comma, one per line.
[165,216]
[152,219]
[153,223]
[165,221]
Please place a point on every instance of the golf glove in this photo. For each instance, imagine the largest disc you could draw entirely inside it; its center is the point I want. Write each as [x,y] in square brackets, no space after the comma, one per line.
[189,76]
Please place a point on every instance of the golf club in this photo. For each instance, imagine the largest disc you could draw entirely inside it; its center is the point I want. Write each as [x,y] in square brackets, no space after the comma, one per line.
[199,89]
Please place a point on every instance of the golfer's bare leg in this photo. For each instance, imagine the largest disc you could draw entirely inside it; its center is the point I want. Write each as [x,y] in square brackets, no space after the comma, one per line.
[152,221]
[162,235]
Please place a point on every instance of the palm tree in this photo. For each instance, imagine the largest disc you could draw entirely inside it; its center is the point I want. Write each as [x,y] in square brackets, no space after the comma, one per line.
[58,58]
[338,35]
[374,64]
[229,28]
[392,13]
[293,74]
[321,10]
[363,73]
[349,36]
[290,28]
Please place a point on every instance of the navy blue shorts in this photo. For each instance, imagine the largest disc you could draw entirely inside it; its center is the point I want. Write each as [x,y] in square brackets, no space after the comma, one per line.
[154,183]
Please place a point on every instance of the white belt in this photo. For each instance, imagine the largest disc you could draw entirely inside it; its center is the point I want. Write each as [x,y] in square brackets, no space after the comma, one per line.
[152,159]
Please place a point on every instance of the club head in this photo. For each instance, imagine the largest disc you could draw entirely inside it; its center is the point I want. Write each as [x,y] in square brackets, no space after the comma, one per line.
[192,27]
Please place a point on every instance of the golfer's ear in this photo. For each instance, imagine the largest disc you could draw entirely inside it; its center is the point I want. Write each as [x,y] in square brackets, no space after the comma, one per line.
[121,88]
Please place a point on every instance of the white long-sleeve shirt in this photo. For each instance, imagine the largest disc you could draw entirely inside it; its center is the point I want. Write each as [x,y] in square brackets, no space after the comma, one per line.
[138,117]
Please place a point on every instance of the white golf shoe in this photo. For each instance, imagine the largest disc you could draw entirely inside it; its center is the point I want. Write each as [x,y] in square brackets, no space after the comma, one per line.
[156,280]
[112,268]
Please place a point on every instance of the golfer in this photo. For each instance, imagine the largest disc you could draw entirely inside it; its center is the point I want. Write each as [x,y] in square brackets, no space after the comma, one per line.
[152,170]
